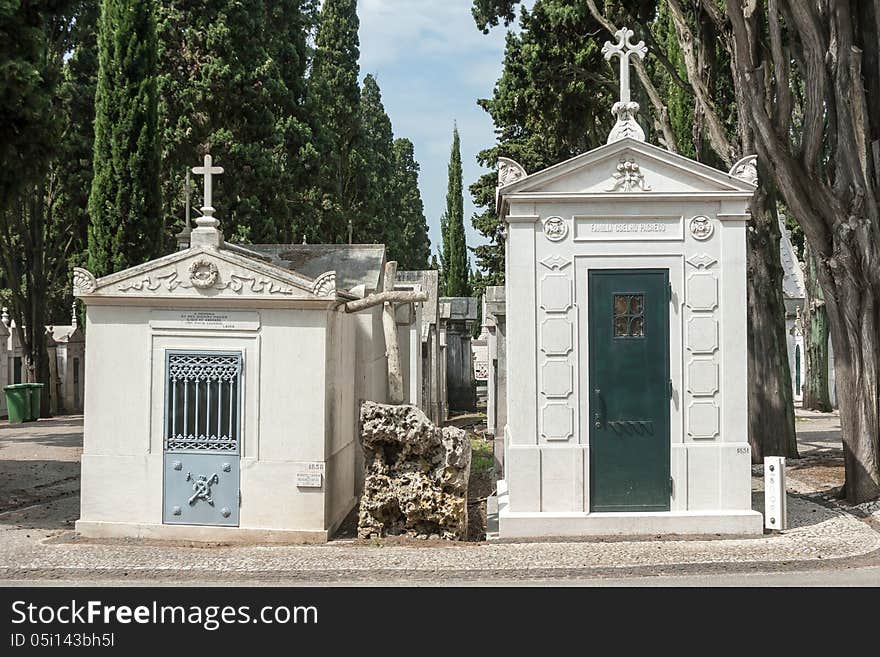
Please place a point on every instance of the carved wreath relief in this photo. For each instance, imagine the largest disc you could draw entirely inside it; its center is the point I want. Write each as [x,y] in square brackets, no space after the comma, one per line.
[555,229]
[701,227]
[203,274]
[628,177]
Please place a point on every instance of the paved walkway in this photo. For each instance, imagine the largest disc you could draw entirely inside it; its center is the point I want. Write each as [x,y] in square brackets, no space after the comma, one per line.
[39,502]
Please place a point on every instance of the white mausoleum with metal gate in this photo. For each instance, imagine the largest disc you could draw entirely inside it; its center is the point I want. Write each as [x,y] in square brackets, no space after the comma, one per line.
[222,388]
[626,341]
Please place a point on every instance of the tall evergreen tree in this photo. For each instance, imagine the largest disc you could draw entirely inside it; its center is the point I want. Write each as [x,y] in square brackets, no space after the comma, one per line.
[125,207]
[413,246]
[374,157]
[77,139]
[454,256]
[550,104]
[35,241]
[232,83]
[334,97]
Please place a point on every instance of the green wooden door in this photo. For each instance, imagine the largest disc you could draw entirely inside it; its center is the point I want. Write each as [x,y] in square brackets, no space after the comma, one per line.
[629,389]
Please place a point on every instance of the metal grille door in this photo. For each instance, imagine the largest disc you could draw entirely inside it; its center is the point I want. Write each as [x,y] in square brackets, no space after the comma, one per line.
[202,438]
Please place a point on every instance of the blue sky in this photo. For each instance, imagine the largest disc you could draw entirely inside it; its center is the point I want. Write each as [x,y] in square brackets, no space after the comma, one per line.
[432,64]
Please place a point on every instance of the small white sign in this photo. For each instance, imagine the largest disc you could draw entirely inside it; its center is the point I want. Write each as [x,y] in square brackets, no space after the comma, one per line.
[775,502]
[309,479]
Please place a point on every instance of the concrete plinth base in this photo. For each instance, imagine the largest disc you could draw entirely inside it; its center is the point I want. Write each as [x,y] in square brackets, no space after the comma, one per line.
[512,524]
[238,535]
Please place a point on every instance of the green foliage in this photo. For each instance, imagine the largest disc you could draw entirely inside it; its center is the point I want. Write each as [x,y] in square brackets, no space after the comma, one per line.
[35,240]
[26,95]
[334,99]
[374,167]
[454,258]
[413,247]
[125,205]
[482,456]
[76,96]
[551,103]
[232,83]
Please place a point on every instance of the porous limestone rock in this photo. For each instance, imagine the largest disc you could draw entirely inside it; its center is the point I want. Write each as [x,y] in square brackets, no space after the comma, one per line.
[416,475]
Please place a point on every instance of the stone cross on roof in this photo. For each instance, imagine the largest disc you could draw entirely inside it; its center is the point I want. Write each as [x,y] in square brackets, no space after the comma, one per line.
[206,233]
[625,110]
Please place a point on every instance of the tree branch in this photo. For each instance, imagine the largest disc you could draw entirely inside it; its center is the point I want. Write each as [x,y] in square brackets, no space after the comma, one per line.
[717,138]
[658,104]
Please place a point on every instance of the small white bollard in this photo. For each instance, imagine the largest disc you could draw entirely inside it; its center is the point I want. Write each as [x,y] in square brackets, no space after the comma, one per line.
[775,502]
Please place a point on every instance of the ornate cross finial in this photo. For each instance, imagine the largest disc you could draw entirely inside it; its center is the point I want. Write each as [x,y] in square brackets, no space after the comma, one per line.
[625,110]
[206,233]
[208,172]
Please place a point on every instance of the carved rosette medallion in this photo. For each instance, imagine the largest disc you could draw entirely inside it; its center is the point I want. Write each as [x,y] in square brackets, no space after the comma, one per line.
[701,227]
[203,274]
[555,229]
[628,178]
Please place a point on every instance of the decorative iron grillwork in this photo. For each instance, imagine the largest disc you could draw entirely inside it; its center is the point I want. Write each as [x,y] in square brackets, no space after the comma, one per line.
[629,319]
[202,401]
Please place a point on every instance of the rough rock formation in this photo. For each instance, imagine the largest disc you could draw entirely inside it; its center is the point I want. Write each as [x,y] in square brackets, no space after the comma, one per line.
[416,475]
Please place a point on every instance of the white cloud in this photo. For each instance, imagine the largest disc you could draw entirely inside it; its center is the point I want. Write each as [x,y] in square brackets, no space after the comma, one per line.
[395,29]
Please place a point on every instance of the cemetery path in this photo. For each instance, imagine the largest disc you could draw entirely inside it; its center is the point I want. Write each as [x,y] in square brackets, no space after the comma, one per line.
[40,503]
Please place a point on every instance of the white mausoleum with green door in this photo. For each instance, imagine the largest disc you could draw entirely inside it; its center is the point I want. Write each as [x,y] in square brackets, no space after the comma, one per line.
[626,293]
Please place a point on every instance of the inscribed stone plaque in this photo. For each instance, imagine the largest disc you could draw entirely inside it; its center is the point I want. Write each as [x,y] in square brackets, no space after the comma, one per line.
[205,319]
[309,479]
[629,228]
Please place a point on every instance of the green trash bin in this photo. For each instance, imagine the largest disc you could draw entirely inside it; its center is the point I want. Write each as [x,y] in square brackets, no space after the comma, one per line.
[18,402]
[36,392]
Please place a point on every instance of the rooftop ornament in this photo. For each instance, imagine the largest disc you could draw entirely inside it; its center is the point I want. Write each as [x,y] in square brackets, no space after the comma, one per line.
[625,109]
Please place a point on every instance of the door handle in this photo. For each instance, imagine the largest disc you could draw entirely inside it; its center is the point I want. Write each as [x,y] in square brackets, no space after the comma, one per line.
[598,419]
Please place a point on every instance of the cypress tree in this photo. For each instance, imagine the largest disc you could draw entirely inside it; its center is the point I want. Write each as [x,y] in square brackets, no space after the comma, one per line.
[77,141]
[125,208]
[334,98]
[375,166]
[232,83]
[454,256]
[414,247]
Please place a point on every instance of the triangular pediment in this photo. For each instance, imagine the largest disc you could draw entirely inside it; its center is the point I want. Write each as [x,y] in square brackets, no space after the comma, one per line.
[201,273]
[628,166]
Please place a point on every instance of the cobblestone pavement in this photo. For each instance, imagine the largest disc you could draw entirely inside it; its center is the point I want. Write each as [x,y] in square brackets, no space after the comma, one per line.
[36,541]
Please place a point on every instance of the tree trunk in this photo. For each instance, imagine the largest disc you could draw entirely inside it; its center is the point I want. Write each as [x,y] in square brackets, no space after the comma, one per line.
[815,320]
[771,405]
[852,314]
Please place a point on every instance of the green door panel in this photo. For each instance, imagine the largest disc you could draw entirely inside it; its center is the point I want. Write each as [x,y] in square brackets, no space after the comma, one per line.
[629,389]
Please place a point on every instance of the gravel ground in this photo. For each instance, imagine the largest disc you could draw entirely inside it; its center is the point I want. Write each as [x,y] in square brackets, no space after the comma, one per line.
[39,498]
